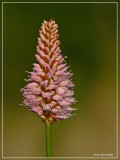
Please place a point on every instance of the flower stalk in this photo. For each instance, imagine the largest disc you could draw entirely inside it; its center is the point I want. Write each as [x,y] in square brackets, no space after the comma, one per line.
[48,127]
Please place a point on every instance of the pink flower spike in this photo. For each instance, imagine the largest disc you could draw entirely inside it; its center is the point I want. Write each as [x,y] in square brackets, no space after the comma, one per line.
[48,92]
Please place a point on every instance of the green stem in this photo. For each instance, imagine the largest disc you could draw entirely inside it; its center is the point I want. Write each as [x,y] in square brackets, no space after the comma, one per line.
[48,139]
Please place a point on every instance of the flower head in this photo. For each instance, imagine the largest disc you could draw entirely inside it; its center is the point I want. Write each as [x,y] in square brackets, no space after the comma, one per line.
[49,92]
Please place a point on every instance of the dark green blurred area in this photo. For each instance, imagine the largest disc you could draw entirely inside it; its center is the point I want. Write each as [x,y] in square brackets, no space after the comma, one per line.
[88,39]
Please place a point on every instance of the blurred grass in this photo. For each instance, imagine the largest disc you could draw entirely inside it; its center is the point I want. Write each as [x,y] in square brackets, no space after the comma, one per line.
[87,34]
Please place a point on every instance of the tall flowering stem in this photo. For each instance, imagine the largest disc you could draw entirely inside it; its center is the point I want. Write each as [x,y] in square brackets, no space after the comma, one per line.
[49,89]
[48,139]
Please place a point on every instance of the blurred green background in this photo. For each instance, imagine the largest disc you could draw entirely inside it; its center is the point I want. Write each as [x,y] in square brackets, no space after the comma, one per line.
[88,39]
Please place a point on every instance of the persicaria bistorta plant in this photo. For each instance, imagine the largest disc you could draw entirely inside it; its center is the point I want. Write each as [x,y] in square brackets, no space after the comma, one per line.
[49,89]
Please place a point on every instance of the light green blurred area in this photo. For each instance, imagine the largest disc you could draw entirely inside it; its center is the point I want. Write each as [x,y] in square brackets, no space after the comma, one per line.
[88,39]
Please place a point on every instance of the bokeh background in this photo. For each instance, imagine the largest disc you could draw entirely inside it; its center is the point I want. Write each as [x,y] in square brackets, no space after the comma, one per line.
[88,39]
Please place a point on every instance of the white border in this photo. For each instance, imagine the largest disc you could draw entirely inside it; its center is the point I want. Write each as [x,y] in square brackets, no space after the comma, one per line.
[116,90]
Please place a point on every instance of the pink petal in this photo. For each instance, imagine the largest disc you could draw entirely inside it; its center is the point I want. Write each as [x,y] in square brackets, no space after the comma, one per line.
[61,90]
[47,107]
[57,97]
